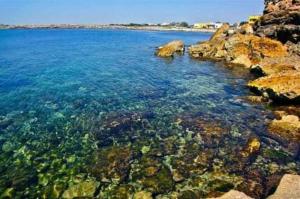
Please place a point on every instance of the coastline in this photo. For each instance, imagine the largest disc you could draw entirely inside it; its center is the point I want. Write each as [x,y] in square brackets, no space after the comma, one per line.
[116,27]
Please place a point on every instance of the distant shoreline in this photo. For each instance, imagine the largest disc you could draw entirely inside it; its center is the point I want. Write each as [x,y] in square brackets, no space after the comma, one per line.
[118,27]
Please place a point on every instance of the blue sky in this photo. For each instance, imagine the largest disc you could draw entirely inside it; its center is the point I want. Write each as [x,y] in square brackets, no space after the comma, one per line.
[125,11]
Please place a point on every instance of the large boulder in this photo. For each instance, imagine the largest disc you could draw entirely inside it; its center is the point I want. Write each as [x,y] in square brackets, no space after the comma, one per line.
[289,188]
[169,49]
[282,87]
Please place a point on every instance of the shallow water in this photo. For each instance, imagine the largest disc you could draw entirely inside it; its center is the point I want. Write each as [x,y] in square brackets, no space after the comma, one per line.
[97,106]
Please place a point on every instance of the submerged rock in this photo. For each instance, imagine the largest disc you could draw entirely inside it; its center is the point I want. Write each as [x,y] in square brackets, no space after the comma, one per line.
[160,182]
[289,188]
[288,128]
[111,164]
[282,87]
[83,189]
[121,127]
[252,147]
[256,99]
[5,122]
[170,49]
[123,191]
[142,195]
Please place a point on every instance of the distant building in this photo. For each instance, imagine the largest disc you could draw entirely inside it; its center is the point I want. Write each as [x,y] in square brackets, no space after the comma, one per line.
[218,25]
[210,25]
[165,24]
[253,19]
[201,25]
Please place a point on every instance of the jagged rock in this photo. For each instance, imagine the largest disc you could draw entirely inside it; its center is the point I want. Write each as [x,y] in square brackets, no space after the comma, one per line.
[282,87]
[246,29]
[170,49]
[281,20]
[294,49]
[212,49]
[220,33]
[83,189]
[233,195]
[288,127]
[289,188]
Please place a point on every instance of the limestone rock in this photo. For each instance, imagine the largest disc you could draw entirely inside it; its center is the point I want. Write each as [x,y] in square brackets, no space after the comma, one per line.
[212,49]
[282,87]
[83,189]
[293,48]
[170,49]
[274,65]
[240,49]
[234,195]
[246,29]
[220,33]
[289,188]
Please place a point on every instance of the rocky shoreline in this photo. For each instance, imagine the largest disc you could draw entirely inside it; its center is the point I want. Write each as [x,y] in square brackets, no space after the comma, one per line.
[113,27]
[271,50]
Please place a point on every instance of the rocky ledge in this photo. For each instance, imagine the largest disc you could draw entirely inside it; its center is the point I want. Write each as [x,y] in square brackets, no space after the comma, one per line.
[281,87]
[170,49]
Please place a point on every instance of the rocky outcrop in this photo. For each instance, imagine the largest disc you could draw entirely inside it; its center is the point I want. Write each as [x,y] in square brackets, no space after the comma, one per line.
[282,87]
[281,21]
[241,49]
[289,188]
[170,49]
[270,48]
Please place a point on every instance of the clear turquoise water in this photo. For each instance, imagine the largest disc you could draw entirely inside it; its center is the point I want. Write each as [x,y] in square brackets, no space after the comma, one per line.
[97,105]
